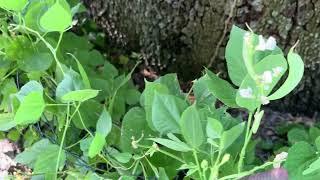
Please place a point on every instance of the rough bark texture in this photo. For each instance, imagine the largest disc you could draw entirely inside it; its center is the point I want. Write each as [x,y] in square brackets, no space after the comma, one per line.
[186,34]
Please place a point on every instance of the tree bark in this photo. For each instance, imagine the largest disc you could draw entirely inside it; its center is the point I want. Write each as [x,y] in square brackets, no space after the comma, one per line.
[185,35]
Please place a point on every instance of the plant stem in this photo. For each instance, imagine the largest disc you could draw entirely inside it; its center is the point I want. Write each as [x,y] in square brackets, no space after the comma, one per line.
[246,142]
[62,140]
[198,164]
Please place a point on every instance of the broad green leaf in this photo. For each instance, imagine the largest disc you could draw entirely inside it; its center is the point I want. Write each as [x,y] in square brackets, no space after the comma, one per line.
[29,155]
[134,125]
[31,86]
[35,61]
[14,5]
[177,146]
[166,112]
[214,128]
[7,121]
[191,127]
[90,111]
[202,93]
[30,109]
[122,157]
[269,63]
[171,81]
[221,89]
[314,133]
[71,82]
[257,121]
[297,134]
[296,70]
[312,167]
[57,18]
[229,136]
[236,67]
[104,123]
[162,174]
[300,156]
[132,96]
[47,160]
[97,145]
[147,98]
[79,95]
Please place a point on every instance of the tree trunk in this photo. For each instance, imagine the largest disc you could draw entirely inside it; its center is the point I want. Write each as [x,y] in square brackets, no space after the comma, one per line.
[185,35]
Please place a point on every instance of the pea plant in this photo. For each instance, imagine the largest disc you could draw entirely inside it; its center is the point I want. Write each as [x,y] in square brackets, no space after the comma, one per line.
[80,118]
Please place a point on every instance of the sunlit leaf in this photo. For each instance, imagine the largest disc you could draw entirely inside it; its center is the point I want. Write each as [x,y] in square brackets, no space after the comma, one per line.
[57,18]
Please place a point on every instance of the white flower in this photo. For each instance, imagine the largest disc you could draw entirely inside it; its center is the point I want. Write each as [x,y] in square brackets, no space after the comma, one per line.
[246,93]
[266,77]
[277,70]
[279,158]
[264,100]
[269,44]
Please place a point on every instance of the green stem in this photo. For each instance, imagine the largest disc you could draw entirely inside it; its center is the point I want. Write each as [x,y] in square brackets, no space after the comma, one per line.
[62,140]
[198,164]
[246,142]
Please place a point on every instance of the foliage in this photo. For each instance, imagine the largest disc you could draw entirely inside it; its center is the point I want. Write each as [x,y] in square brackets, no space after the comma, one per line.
[85,113]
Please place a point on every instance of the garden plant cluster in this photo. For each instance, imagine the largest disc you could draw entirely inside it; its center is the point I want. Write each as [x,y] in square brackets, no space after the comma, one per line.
[79,117]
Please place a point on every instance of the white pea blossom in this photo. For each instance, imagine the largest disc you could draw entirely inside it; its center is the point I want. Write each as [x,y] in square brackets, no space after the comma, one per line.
[279,157]
[264,100]
[246,93]
[266,77]
[269,44]
[277,71]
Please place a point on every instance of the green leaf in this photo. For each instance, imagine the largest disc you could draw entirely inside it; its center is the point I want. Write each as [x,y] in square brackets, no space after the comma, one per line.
[7,121]
[312,167]
[300,156]
[177,146]
[104,123]
[202,93]
[132,96]
[57,18]
[296,70]
[236,67]
[80,95]
[103,128]
[122,157]
[162,174]
[267,64]
[148,97]
[171,81]
[47,160]
[14,5]
[297,134]
[229,136]
[71,82]
[84,75]
[317,143]
[221,89]
[31,86]
[256,123]
[97,145]
[30,109]
[191,127]
[214,128]
[35,61]
[134,125]
[166,111]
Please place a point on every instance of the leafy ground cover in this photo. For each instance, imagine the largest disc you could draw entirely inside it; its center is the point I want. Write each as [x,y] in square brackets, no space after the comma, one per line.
[77,116]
